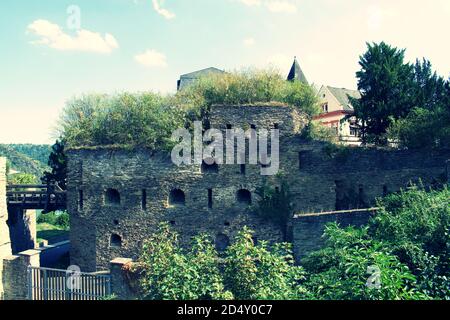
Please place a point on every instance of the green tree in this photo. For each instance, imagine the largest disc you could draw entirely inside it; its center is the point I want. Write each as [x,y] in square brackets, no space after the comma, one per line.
[257,272]
[22,178]
[415,225]
[341,270]
[57,161]
[167,272]
[428,124]
[387,90]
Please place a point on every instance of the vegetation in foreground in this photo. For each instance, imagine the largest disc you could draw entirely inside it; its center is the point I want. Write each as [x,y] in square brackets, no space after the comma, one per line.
[406,244]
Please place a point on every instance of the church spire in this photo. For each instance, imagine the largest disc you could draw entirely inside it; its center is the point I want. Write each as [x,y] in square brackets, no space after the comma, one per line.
[296,73]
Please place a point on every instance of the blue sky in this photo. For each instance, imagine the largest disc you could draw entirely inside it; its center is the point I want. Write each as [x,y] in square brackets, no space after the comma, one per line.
[137,45]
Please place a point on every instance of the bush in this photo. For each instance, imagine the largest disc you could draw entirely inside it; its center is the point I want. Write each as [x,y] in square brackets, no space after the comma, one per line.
[169,273]
[316,131]
[22,178]
[342,269]
[408,241]
[58,219]
[257,272]
[246,270]
[145,119]
[246,87]
[148,119]
[415,224]
[422,128]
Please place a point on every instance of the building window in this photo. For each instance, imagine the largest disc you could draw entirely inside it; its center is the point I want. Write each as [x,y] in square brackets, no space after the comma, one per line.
[144,199]
[177,198]
[243,169]
[210,198]
[112,197]
[116,241]
[353,131]
[80,200]
[244,197]
[325,107]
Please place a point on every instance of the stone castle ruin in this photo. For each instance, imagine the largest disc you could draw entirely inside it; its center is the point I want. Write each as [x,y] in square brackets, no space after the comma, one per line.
[116,198]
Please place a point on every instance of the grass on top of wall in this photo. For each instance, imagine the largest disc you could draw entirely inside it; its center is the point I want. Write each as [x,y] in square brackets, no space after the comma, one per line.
[148,119]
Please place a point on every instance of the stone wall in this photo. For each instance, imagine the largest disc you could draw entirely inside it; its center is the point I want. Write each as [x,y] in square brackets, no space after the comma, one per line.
[15,274]
[104,227]
[22,229]
[309,228]
[5,243]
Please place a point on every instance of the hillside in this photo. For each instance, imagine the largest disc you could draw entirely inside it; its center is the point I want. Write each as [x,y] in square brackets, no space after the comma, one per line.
[38,152]
[21,162]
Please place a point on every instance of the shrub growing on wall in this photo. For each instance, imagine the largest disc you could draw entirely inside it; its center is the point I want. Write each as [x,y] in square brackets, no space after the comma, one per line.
[145,119]
[246,87]
[148,119]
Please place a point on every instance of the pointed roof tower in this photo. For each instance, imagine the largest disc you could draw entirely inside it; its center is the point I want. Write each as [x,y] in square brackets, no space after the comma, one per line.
[296,73]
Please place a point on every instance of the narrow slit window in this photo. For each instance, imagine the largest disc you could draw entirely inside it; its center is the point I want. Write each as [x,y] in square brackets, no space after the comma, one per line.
[144,199]
[243,169]
[80,200]
[210,198]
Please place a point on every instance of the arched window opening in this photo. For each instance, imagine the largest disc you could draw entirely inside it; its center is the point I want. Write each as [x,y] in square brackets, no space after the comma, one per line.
[112,197]
[177,198]
[116,241]
[244,197]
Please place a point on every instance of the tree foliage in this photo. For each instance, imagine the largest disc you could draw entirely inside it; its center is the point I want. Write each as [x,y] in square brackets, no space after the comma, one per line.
[405,246]
[385,84]
[57,161]
[342,269]
[406,103]
[144,119]
[415,225]
[22,178]
[246,87]
[148,119]
[245,271]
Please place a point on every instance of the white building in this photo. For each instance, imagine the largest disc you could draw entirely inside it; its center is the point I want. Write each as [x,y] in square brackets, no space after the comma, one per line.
[337,113]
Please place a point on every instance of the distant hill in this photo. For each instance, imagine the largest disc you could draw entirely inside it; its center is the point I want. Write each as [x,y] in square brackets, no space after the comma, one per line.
[38,152]
[26,158]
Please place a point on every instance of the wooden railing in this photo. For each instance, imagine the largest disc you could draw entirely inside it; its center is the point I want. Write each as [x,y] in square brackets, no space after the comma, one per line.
[29,197]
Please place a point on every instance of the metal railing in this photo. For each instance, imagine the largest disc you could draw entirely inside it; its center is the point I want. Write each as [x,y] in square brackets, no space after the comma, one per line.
[55,284]
[46,197]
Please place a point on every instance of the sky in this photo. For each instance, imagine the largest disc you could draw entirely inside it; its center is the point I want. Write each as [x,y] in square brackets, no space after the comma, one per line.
[53,50]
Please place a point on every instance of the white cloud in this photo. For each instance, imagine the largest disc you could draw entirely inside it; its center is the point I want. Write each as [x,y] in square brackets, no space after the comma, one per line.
[282,6]
[249,42]
[52,35]
[157,5]
[152,59]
